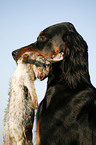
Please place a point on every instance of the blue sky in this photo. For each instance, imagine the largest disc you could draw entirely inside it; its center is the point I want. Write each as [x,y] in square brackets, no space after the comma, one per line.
[22,20]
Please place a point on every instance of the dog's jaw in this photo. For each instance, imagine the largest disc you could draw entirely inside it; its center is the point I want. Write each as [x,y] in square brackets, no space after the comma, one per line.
[56,58]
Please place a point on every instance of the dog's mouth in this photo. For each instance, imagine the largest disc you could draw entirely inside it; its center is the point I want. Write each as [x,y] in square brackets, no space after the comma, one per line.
[56,58]
[41,67]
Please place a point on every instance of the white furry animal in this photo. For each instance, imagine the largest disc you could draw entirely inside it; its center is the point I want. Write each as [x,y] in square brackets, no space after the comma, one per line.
[19,115]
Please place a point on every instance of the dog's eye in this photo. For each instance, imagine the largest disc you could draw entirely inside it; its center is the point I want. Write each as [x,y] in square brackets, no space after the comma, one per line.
[41,38]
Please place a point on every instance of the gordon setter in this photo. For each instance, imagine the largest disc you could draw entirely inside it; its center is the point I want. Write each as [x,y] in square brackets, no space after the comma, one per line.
[67,114]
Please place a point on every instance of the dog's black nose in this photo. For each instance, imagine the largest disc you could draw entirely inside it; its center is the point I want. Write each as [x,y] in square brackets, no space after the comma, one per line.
[15,54]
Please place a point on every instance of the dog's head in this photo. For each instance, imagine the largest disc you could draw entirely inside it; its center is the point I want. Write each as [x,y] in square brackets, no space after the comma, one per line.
[61,42]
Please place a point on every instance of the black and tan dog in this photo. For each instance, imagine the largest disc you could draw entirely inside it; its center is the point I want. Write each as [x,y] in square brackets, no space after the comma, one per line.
[67,114]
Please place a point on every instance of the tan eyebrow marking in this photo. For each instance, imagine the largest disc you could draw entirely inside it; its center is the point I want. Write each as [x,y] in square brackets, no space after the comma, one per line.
[40,34]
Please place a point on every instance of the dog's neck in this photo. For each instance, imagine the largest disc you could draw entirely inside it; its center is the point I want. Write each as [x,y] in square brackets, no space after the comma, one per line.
[71,79]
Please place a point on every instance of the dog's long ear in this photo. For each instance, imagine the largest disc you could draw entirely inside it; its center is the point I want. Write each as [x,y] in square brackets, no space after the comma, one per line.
[74,43]
[75,58]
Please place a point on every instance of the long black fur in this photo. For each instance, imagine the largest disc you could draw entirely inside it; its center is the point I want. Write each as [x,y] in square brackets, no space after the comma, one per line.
[67,114]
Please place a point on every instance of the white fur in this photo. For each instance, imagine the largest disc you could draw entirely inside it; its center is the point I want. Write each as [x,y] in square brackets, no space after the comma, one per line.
[19,112]
[23,76]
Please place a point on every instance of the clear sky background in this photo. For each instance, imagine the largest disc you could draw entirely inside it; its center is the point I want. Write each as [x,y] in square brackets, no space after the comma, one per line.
[22,20]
